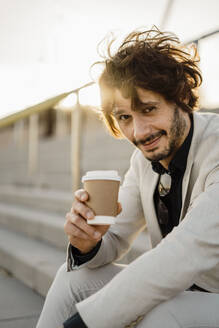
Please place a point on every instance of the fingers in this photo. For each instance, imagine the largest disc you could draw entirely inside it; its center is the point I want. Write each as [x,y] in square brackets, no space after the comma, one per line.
[82,235]
[81,195]
[74,233]
[83,210]
[79,228]
[79,206]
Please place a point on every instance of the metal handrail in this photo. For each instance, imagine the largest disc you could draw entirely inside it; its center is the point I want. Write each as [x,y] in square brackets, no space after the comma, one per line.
[50,102]
[203,37]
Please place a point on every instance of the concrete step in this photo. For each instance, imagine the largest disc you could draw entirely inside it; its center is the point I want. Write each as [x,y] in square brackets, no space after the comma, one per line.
[48,227]
[30,261]
[20,306]
[55,201]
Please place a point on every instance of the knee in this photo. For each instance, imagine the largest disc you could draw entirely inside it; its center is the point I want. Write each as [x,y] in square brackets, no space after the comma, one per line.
[84,279]
[62,271]
[67,279]
[61,275]
[71,280]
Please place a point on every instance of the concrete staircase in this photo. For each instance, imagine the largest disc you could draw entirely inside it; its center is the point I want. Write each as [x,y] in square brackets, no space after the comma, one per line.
[32,239]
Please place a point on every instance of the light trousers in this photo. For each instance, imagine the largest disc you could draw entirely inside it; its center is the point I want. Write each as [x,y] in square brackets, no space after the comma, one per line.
[187,310]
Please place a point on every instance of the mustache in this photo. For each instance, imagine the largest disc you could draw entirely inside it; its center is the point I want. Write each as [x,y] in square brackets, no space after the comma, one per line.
[149,139]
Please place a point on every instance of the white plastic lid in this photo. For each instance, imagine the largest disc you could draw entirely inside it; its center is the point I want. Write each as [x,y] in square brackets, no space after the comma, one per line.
[101,175]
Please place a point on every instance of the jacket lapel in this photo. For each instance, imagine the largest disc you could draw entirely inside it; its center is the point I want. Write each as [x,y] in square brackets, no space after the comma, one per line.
[149,184]
[199,127]
[185,185]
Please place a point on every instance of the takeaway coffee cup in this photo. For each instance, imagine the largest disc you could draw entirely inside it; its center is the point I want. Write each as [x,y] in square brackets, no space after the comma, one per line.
[103,189]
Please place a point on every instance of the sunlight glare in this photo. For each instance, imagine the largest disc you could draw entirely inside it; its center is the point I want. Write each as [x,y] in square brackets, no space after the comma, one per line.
[90,96]
[68,103]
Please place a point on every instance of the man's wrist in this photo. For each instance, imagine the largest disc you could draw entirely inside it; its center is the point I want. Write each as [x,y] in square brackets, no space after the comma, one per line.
[80,258]
[86,250]
[82,253]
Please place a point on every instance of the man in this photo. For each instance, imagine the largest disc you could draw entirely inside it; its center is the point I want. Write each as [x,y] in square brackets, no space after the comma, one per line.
[148,92]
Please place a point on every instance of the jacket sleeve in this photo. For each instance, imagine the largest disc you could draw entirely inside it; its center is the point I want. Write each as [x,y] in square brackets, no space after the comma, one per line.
[117,241]
[188,252]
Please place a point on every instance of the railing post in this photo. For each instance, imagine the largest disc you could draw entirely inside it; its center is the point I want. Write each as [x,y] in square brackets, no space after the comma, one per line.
[76,117]
[60,125]
[18,132]
[33,144]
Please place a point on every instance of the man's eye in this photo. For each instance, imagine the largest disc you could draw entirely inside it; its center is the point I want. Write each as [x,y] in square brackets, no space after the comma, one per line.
[123,117]
[148,109]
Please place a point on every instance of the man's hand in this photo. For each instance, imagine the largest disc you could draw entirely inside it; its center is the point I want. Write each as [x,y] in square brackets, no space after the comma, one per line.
[82,235]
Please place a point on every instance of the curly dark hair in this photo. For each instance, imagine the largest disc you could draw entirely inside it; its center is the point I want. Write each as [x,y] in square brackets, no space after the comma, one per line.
[151,60]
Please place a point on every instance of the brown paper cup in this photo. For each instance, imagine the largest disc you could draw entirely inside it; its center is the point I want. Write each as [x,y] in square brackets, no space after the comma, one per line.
[103,192]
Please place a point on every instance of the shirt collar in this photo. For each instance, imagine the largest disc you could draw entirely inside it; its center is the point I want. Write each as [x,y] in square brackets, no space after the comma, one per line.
[178,163]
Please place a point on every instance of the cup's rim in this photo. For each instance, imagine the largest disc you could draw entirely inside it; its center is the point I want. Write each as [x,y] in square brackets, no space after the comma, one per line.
[101,175]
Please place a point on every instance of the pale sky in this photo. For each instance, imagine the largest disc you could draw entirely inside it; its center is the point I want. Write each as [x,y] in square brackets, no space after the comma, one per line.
[47,46]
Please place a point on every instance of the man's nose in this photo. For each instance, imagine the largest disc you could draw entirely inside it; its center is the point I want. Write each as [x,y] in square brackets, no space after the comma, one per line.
[141,128]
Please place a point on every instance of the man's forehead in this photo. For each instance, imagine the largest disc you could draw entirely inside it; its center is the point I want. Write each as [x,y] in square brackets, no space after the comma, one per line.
[143,95]
[115,101]
[121,108]
[121,103]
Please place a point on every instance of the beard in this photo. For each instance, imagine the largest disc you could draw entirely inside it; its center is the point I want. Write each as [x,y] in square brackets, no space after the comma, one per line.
[176,133]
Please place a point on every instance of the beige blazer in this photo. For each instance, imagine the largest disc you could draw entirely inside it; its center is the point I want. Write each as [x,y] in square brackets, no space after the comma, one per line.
[189,254]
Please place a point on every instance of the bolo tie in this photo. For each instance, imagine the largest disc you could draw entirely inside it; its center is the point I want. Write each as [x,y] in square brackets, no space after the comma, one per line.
[164,186]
